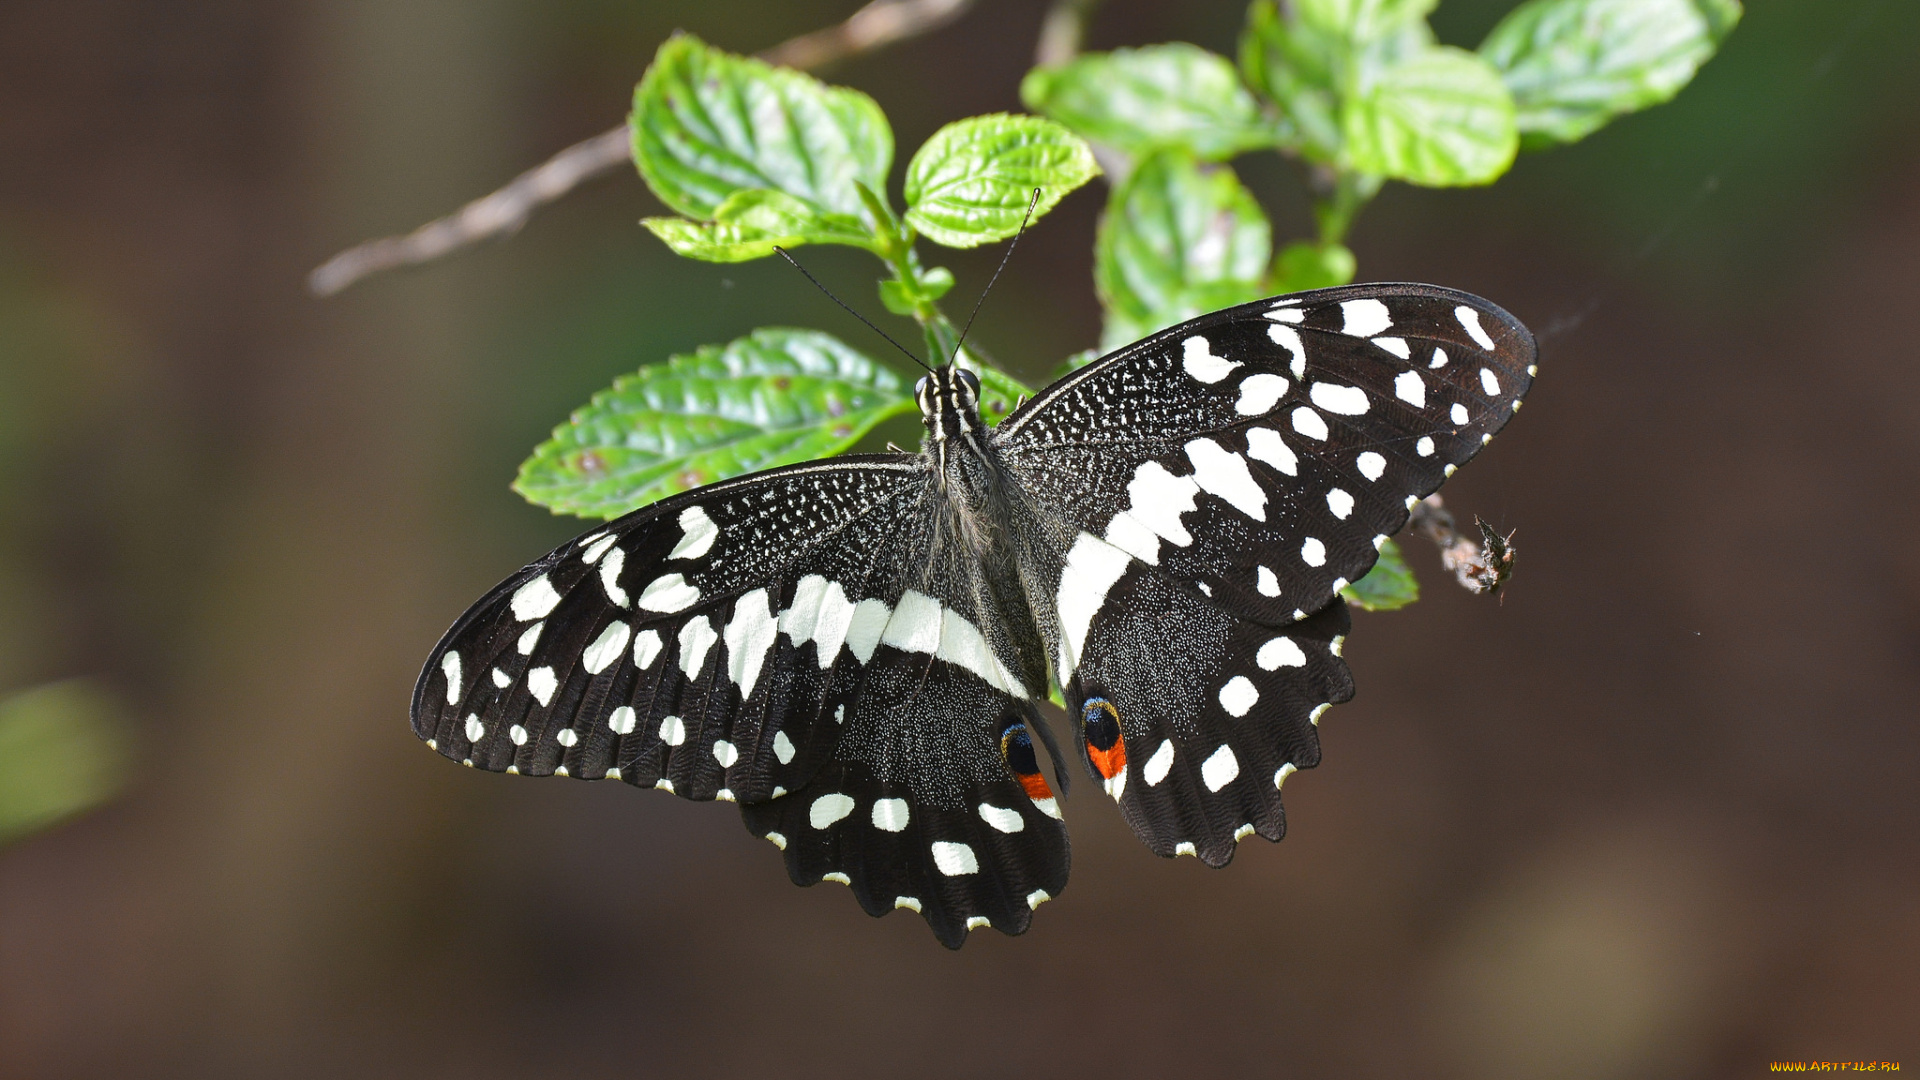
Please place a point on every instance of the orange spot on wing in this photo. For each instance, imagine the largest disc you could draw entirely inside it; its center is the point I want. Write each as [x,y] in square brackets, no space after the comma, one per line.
[1109,763]
[1036,786]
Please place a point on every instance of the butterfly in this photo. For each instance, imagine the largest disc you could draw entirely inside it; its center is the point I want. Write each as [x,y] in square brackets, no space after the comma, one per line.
[855,650]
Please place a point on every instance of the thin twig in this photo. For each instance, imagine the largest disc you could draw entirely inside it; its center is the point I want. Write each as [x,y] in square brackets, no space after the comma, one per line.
[878,24]
[1062,31]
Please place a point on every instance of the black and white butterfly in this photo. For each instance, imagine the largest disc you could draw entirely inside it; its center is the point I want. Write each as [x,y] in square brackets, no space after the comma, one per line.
[854,649]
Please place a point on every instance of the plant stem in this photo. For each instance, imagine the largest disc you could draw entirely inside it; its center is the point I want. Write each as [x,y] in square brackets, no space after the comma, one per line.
[1335,212]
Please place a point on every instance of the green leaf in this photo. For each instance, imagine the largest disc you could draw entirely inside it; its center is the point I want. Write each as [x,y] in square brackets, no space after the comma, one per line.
[707,125]
[1300,69]
[1304,265]
[904,298]
[1314,63]
[1000,394]
[1441,118]
[970,184]
[773,398]
[1574,65]
[1361,21]
[63,749]
[1178,239]
[750,224]
[1389,585]
[1138,100]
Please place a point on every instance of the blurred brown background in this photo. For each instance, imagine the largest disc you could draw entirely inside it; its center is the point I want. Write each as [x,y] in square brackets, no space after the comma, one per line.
[1655,816]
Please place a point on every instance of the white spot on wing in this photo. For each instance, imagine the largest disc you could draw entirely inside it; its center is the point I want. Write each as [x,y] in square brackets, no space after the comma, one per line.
[667,593]
[1048,807]
[673,730]
[1219,770]
[1364,318]
[606,648]
[525,645]
[1268,584]
[1489,382]
[1313,552]
[725,753]
[567,737]
[1396,346]
[782,748]
[954,860]
[749,637]
[828,809]
[1289,339]
[890,815]
[1309,423]
[1157,766]
[542,684]
[1370,464]
[962,644]
[1459,413]
[1238,696]
[1345,400]
[501,679]
[1280,774]
[1424,447]
[1470,322]
[1340,502]
[1158,498]
[1201,364]
[1221,472]
[450,667]
[909,902]
[534,599]
[1409,387]
[1036,898]
[646,646]
[696,638]
[1278,653]
[1260,393]
[610,568]
[915,624]
[1265,445]
[1439,359]
[518,734]
[700,533]
[597,549]
[1093,565]
[1007,821]
[621,721]
[865,623]
[475,729]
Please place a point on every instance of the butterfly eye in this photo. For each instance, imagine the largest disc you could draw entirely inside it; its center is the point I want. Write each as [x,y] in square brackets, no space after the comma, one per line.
[920,387]
[972,381]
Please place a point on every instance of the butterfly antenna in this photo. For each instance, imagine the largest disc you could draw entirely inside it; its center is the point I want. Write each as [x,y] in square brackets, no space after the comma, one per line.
[1031,203]
[849,310]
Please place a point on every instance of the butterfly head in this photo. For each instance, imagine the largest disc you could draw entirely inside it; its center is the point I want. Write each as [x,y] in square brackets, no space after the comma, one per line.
[949,398]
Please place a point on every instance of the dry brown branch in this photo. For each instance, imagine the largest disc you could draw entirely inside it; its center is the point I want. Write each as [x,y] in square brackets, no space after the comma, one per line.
[1481,567]
[878,24]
